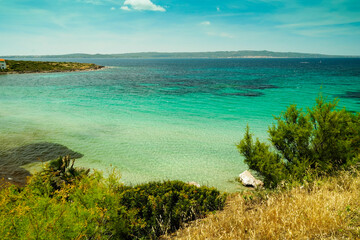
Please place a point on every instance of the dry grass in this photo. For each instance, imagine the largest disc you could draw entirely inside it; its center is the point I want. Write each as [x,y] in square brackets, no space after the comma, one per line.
[327,209]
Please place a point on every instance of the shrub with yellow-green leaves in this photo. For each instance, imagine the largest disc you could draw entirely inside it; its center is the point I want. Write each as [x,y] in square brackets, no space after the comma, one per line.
[63,202]
[85,209]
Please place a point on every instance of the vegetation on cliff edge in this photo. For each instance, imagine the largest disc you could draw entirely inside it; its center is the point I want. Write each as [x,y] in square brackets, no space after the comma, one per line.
[328,208]
[63,202]
[15,66]
[321,141]
[312,169]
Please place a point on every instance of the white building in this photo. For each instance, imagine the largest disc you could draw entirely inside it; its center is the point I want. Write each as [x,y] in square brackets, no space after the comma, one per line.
[2,64]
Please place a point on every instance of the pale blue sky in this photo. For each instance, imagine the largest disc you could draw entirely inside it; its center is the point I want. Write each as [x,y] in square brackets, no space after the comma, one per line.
[30,27]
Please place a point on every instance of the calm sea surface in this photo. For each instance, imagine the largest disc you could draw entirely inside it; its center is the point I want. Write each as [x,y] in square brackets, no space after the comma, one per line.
[167,119]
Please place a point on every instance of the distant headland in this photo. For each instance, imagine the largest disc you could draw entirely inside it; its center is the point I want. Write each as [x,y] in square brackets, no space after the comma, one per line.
[14,66]
[218,54]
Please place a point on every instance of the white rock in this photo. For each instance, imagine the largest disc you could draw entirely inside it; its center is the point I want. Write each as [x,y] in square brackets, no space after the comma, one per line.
[194,184]
[248,180]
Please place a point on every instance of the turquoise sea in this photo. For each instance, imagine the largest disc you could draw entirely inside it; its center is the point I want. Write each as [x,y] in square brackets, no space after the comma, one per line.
[156,119]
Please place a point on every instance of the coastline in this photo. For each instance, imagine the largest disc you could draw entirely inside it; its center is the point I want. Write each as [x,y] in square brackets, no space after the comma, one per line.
[24,67]
[58,71]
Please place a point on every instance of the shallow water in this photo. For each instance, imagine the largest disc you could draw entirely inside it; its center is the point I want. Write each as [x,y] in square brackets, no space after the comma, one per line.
[166,119]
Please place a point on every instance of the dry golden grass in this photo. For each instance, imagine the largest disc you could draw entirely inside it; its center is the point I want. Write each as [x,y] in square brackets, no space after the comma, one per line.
[327,209]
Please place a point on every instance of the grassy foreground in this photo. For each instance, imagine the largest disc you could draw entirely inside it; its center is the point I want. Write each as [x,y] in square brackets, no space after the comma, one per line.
[14,66]
[328,208]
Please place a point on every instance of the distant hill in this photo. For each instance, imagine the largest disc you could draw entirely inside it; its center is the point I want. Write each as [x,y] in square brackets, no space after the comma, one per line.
[219,54]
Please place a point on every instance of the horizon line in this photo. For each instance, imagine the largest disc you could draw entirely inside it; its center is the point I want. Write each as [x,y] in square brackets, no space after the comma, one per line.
[180,52]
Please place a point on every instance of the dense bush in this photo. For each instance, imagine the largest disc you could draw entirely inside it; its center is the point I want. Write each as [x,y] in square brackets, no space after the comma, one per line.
[157,208]
[320,141]
[63,202]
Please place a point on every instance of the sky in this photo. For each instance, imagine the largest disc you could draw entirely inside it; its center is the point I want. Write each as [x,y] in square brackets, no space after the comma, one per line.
[40,27]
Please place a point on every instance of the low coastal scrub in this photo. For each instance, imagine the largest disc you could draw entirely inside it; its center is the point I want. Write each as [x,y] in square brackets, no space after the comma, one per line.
[63,202]
[15,66]
[312,173]
[328,208]
[321,141]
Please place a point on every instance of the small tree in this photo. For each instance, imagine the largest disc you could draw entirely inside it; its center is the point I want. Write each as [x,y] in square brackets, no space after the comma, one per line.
[322,140]
[56,174]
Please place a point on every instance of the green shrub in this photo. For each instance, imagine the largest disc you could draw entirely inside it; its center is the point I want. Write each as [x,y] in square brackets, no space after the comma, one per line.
[56,174]
[63,202]
[85,209]
[158,208]
[320,141]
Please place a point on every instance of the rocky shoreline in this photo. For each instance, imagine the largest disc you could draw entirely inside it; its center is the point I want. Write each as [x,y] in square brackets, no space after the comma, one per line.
[57,71]
[25,67]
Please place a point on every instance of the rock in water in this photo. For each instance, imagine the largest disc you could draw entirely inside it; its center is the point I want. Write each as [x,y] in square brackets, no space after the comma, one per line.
[248,180]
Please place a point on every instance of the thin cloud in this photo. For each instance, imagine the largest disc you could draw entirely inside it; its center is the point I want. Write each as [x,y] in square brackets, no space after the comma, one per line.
[141,5]
[125,8]
[298,16]
[95,2]
[220,34]
[205,23]
[330,22]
